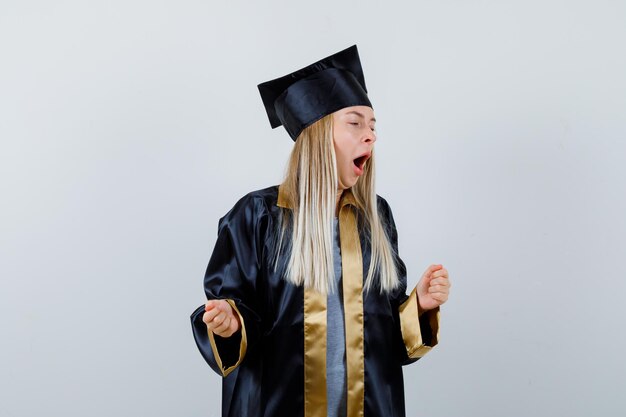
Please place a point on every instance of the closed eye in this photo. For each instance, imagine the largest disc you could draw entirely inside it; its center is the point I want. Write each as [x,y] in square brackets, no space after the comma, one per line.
[357,124]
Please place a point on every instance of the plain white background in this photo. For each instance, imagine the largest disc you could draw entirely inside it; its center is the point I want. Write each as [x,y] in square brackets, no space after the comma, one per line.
[128,128]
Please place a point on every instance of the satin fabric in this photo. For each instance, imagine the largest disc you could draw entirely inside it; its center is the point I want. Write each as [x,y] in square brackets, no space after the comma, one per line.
[298,99]
[352,272]
[315,404]
[269,381]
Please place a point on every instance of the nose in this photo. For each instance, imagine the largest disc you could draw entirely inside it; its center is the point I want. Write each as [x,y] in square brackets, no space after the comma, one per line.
[369,136]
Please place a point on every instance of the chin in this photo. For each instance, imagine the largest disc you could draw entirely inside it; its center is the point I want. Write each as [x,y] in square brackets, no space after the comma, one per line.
[349,182]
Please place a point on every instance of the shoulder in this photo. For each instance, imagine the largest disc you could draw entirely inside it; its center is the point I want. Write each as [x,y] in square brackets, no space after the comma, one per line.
[385,213]
[268,195]
[264,197]
[253,204]
[382,202]
[383,206]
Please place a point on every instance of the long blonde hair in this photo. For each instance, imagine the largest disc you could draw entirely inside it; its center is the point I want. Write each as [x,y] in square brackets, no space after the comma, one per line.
[310,186]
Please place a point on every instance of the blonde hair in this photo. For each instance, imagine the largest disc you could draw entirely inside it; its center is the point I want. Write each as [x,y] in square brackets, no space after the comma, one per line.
[310,186]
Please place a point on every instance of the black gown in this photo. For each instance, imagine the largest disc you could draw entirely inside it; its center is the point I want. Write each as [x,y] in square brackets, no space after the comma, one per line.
[264,365]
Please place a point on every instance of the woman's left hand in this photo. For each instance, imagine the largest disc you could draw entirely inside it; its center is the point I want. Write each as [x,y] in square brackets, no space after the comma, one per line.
[433,288]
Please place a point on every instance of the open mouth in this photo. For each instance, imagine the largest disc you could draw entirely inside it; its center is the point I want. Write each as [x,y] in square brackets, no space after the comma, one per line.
[360,161]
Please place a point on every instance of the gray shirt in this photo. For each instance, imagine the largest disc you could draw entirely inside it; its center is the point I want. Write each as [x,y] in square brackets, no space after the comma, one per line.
[336,340]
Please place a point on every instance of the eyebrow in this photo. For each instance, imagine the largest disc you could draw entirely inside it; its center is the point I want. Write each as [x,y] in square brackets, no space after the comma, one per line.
[373,119]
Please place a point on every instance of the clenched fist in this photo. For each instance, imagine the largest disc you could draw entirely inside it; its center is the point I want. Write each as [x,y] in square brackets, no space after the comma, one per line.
[433,288]
[220,318]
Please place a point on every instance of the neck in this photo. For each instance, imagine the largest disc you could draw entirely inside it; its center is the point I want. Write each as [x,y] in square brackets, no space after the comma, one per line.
[339,193]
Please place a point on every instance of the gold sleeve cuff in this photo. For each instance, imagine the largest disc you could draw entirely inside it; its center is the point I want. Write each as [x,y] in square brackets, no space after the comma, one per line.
[411,329]
[243,345]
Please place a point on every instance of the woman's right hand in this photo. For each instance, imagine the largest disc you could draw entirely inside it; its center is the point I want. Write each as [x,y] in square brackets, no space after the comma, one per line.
[220,318]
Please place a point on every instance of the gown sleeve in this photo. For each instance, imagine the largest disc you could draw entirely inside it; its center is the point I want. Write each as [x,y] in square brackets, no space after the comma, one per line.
[231,275]
[417,331]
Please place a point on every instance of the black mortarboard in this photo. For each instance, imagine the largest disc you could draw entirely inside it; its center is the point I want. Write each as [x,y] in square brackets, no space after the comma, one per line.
[298,99]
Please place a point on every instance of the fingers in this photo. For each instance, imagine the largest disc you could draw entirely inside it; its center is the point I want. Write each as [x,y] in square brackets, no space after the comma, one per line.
[223,327]
[431,271]
[438,288]
[440,284]
[441,272]
[219,323]
[210,315]
[219,318]
[441,281]
[439,297]
[211,304]
[435,285]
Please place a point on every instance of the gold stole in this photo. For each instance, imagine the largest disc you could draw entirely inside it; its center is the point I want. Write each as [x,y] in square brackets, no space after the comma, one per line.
[315,321]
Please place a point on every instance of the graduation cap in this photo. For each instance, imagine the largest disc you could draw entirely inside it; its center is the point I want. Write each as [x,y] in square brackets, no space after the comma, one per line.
[303,97]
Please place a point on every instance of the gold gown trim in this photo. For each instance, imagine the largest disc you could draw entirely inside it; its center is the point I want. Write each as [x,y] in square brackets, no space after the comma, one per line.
[352,271]
[410,325]
[243,345]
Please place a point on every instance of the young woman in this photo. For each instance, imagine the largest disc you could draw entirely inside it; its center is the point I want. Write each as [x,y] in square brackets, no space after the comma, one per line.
[307,312]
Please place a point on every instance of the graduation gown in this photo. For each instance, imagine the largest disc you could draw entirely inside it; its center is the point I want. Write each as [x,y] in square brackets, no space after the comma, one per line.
[275,366]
